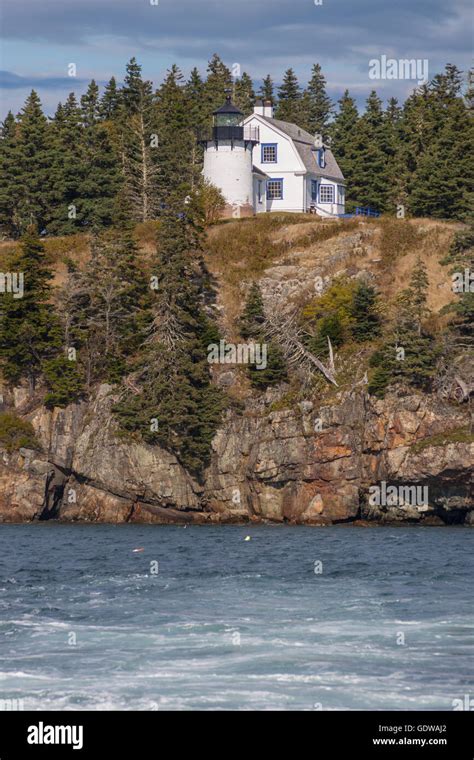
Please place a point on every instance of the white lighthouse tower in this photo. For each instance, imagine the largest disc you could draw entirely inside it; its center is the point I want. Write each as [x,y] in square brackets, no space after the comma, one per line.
[228,159]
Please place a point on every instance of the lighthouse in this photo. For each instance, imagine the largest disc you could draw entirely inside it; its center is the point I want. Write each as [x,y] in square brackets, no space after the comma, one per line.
[228,159]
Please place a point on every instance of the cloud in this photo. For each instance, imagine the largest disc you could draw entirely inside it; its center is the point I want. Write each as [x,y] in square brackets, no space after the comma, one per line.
[263,36]
[248,27]
[11,81]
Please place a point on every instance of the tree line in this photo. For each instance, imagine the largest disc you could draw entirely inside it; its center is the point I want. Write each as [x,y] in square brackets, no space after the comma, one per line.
[116,154]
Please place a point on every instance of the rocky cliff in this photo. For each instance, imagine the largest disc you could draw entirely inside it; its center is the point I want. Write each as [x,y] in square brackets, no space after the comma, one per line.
[315,459]
[306,465]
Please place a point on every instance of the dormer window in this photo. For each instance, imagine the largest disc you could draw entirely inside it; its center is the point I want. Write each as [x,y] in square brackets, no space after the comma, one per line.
[321,158]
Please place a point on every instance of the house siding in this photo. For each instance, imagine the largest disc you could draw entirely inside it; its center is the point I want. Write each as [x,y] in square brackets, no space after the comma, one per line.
[291,168]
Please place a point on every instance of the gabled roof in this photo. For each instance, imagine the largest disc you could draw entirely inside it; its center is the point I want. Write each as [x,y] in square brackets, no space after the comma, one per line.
[304,144]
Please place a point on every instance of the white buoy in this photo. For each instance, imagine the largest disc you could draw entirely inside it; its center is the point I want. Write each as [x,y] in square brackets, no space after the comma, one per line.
[247,538]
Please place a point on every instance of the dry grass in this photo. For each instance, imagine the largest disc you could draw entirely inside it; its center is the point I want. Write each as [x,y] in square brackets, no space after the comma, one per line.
[401,243]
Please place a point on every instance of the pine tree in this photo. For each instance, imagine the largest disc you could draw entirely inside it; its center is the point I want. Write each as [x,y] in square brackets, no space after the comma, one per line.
[443,178]
[317,105]
[67,168]
[253,315]
[370,185]
[244,95]
[32,157]
[99,169]
[136,93]
[111,325]
[461,328]
[289,98]
[29,329]
[194,90]
[410,353]
[90,105]
[8,189]
[251,328]
[138,141]
[344,131]
[267,90]
[177,406]
[111,101]
[175,157]
[416,296]
[218,82]
[367,323]
[396,171]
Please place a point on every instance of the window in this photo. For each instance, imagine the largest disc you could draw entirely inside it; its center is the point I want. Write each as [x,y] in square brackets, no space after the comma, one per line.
[314,190]
[275,189]
[269,153]
[321,158]
[341,194]
[259,190]
[326,194]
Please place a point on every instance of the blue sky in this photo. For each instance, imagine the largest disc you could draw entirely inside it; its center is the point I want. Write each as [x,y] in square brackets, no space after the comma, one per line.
[41,37]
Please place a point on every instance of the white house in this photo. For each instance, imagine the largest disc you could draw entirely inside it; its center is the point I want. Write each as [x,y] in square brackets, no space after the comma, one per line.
[264,164]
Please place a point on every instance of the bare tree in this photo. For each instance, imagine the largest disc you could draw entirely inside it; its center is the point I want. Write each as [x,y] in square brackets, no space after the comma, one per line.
[289,336]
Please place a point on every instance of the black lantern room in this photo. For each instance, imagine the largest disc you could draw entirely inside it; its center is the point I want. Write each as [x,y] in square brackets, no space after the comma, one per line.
[227,122]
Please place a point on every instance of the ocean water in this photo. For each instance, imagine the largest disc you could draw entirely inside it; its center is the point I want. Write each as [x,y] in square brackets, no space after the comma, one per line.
[203,619]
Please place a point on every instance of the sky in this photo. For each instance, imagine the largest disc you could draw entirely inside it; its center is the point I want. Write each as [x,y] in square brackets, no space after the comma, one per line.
[41,38]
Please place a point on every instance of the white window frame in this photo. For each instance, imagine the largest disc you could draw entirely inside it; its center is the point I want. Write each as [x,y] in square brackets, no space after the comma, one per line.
[326,189]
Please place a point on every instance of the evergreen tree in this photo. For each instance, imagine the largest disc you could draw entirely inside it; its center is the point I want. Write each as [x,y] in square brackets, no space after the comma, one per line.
[443,178]
[267,90]
[195,90]
[410,353]
[366,325]
[67,168]
[244,95]
[32,157]
[90,105]
[416,296]
[111,323]
[317,106]
[138,145]
[329,326]
[371,166]
[29,330]
[397,190]
[111,101]
[253,315]
[99,169]
[175,157]
[198,118]
[289,98]
[9,191]
[251,328]
[136,93]
[461,327]
[344,136]
[178,407]
[218,82]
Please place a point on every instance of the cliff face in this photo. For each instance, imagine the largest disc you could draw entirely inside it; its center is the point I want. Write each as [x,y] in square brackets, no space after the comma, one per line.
[314,462]
[307,465]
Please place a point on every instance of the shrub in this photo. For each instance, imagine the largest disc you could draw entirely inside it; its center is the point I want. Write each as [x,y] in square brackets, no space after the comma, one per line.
[16,433]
